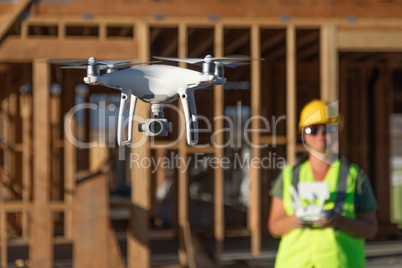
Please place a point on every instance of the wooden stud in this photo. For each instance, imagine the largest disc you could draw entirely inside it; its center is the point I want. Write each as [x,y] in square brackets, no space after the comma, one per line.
[382,106]
[12,169]
[70,155]
[41,247]
[183,217]
[329,63]
[6,151]
[219,100]
[70,167]
[255,176]
[186,251]
[363,110]
[138,251]
[61,28]
[291,94]
[115,259]
[26,115]
[55,150]
[3,237]
[12,16]
[102,31]
[91,220]
[343,107]
[159,180]
[274,140]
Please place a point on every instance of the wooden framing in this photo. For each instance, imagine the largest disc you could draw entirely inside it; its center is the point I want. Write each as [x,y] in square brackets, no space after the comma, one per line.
[219,209]
[41,250]
[12,16]
[186,250]
[369,40]
[255,175]
[329,63]
[3,238]
[70,167]
[26,115]
[291,94]
[335,34]
[139,254]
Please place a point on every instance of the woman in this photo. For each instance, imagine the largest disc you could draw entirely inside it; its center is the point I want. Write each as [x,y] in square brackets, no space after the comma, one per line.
[338,239]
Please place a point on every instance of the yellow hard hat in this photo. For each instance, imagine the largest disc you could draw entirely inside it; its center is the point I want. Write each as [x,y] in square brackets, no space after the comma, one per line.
[318,112]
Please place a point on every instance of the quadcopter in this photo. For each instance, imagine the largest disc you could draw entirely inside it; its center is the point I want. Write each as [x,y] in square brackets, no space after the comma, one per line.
[156,84]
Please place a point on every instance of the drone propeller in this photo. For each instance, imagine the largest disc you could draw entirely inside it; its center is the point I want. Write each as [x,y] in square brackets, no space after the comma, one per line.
[67,62]
[105,64]
[111,65]
[230,61]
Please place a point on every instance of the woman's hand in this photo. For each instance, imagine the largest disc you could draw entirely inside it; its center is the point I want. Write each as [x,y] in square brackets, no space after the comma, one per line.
[364,226]
[331,222]
[279,223]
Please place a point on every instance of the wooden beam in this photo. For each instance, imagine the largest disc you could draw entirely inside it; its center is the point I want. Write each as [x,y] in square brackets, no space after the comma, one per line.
[55,149]
[138,251]
[182,194]
[186,250]
[265,21]
[70,151]
[70,169]
[363,125]
[382,105]
[11,48]
[115,258]
[91,223]
[6,151]
[41,247]
[159,179]
[12,16]
[12,136]
[255,175]
[3,238]
[219,99]
[329,63]
[368,40]
[291,103]
[26,115]
[310,10]
[343,106]
[274,140]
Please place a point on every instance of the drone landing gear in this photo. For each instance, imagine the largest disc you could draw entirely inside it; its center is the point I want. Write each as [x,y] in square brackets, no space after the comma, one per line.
[126,95]
[188,102]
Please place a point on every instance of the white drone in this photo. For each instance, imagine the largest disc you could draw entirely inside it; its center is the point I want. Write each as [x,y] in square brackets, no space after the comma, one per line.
[155,84]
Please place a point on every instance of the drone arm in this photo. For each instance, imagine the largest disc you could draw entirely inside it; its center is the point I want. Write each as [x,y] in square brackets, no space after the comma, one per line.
[188,102]
[125,95]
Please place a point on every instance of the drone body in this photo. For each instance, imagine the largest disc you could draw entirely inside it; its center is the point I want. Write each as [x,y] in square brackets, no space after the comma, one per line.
[155,84]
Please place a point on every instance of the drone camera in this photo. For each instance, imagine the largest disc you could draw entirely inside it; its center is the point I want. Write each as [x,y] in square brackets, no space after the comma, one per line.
[155,127]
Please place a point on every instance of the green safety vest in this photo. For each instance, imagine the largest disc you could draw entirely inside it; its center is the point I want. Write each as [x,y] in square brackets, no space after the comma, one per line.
[322,247]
